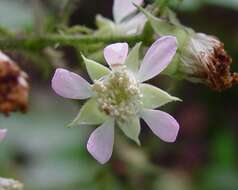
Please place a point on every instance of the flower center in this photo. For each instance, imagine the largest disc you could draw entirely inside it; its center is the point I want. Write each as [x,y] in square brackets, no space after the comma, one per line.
[118,95]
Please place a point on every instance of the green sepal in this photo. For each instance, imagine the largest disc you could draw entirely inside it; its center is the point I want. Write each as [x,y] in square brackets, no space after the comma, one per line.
[131,128]
[163,27]
[95,70]
[89,114]
[103,22]
[106,27]
[154,97]
[133,60]
[172,69]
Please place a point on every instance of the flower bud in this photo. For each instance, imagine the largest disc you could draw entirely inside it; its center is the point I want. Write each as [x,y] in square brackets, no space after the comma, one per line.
[14,87]
[200,57]
[203,59]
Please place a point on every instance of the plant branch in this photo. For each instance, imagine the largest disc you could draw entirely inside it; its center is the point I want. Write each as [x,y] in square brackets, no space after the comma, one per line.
[35,43]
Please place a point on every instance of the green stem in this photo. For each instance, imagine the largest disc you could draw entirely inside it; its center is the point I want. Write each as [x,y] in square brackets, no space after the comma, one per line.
[40,42]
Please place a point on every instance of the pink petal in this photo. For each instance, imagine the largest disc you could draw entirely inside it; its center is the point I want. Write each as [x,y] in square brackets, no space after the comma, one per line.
[70,85]
[123,8]
[162,124]
[100,143]
[157,58]
[116,54]
[3,133]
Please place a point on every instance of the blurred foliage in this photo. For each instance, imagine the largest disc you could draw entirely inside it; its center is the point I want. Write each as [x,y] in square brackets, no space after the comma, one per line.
[15,14]
[195,4]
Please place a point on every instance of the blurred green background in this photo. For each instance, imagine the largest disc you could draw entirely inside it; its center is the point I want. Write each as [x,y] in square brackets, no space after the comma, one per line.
[45,155]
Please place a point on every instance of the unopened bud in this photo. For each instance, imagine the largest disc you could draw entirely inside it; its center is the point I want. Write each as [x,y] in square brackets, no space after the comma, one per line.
[200,57]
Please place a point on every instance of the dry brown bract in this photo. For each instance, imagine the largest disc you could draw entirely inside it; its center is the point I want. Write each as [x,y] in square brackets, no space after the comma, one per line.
[14,88]
[219,75]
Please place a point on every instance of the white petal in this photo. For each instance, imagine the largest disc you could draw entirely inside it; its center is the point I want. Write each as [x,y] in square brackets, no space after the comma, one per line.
[4,57]
[2,134]
[100,143]
[162,124]
[134,25]
[123,8]
[116,54]
[70,85]
[157,58]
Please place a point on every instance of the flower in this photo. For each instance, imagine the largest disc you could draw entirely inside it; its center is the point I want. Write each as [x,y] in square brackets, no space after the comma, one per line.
[126,20]
[14,88]
[119,97]
[10,184]
[2,134]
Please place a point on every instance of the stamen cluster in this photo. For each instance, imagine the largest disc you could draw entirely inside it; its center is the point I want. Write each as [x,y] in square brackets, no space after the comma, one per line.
[118,95]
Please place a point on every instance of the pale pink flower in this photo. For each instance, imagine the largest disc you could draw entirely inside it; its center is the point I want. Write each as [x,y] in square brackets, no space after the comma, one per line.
[125,8]
[126,20]
[119,96]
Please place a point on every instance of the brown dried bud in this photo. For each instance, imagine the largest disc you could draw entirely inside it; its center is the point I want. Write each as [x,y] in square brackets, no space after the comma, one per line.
[14,88]
[205,60]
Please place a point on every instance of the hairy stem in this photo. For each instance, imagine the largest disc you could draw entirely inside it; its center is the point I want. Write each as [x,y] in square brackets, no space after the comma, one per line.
[35,43]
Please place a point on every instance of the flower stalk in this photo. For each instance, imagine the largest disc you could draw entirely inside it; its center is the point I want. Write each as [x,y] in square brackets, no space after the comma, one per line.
[55,40]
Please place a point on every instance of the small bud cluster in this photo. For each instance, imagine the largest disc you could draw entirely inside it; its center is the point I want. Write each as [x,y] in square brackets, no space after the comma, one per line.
[10,184]
[13,86]
[118,95]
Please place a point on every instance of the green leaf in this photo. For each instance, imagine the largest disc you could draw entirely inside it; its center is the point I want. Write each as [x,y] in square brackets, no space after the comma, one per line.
[133,59]
[154,97]
[131,128]
[95,70]
[89,115]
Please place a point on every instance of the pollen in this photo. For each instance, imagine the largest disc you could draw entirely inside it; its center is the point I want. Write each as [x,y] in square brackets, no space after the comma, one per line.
[118,95]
